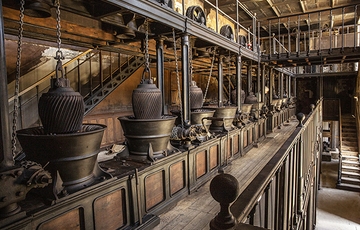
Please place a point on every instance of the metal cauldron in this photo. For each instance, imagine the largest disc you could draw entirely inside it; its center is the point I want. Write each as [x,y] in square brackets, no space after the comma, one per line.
[140,133]
[73,155]
[246,108]
[227,114]
[196,116]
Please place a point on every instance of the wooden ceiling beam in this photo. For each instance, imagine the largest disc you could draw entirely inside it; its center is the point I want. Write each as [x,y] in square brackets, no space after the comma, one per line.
[273,8]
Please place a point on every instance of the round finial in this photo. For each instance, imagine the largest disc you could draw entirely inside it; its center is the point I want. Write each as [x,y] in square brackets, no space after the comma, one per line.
[300,117]
[312,107]
[224,188]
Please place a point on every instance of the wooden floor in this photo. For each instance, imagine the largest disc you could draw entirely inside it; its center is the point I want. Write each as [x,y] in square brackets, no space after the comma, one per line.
[196,210]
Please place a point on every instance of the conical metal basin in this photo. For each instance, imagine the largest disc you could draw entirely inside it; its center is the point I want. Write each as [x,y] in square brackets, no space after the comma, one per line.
[227,114]
[196,116]
[140,133]
[73,155]
[246,108]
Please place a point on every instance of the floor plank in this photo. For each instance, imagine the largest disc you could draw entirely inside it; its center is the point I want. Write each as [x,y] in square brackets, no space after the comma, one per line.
[196,210]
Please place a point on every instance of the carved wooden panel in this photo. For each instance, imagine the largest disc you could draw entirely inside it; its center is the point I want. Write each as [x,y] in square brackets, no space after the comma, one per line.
[236,144]
[200,163]
[256,130]
[250,136]
[245,138]
[69,220]
[154,189]
[177,177]
[228,152]
[109,210]
[214,156]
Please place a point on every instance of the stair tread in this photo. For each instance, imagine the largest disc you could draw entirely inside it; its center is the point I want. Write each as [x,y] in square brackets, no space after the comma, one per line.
[350,167]
[350,162]
[350,179]
[350,173]
[346,186]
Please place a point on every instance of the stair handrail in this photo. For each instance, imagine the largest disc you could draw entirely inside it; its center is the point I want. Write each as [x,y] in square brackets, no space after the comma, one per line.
[356,114]
[46,77]
[340,145]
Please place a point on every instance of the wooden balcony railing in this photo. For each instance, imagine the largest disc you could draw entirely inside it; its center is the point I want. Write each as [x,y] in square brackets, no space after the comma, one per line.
[283,194]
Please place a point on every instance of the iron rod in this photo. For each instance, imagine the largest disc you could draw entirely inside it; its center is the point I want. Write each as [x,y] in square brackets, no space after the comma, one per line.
[330,32]
[6,157]
[238,81]
[342,30]
[185,76]
[355,26]
[270,39]
[160,69]
[289,37]
[249,78]
[220,82]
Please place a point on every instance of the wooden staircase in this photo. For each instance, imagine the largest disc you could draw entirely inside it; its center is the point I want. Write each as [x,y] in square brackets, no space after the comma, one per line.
[349,168]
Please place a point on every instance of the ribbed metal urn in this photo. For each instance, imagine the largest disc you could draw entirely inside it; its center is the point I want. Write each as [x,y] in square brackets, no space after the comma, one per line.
[196,96]
[251,99]
[61,109]
[146,100]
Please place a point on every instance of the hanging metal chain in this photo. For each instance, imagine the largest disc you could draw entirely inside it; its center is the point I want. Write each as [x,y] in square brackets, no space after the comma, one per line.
[59,54]
[147,67]
[178,80]
[17,78]
[229,79]
[211,68]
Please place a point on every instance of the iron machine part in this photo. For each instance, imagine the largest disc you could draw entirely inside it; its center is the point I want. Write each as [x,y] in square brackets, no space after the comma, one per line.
[17,182]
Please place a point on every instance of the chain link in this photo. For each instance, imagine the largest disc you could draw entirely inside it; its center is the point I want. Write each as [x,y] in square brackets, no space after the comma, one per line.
[147,67]
[59,54]
[211,68]
[229,79]
[17,78]
[178,79]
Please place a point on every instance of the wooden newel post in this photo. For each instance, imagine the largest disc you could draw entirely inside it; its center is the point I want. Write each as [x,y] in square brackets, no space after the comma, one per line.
[300,117]
[224,188]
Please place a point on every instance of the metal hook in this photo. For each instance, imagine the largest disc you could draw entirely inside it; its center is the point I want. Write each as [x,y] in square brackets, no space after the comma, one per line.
[146,70]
